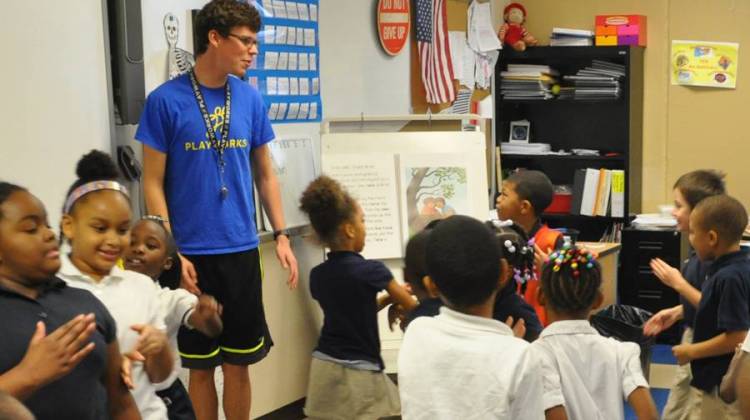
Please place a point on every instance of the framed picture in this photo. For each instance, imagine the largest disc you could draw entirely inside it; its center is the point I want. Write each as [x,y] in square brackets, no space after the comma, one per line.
[520,131]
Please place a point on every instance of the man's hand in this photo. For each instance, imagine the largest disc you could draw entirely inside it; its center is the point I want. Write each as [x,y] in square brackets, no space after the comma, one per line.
[50,357]
[288,261]
[189,277]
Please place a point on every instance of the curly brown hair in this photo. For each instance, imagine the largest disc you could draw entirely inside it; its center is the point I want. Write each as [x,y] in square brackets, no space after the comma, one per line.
[327,205]
[222,16]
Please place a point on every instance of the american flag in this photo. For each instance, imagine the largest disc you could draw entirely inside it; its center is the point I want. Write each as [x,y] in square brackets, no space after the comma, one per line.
[434,51]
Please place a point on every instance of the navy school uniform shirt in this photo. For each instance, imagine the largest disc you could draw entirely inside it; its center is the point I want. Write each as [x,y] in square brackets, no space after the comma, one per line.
[507,303]
[346,287]
[695,272]
[80,394]
[724,307]
[171,122]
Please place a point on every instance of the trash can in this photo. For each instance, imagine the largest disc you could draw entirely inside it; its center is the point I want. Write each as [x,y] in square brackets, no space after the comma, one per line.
[625,323]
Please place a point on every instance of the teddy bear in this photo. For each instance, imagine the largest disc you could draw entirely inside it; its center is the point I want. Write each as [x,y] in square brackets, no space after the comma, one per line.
[513,32]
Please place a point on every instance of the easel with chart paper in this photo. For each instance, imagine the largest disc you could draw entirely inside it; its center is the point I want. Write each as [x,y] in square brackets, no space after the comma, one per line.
[406,171]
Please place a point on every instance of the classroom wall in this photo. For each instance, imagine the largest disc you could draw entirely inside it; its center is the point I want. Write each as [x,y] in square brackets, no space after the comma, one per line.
[54,96]
[684,128]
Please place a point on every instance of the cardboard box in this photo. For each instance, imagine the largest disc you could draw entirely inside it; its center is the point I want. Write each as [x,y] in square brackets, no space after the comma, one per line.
[609,40]
[629,29]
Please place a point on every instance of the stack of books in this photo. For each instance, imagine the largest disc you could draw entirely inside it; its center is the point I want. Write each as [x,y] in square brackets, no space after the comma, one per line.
[564,37]
[525,148]
[601,80]
[528,81]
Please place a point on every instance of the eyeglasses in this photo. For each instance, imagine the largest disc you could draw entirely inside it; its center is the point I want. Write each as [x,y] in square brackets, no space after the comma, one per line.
[247,41]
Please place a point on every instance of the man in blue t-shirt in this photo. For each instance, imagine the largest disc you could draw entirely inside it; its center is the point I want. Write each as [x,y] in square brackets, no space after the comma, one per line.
[204,136]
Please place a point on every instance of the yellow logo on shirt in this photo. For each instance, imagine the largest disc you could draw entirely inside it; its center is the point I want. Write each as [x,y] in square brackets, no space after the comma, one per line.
[217,121]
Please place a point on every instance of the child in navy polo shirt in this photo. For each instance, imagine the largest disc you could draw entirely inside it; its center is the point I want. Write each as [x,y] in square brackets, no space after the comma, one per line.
[723,316]
[59,353]
[346,373]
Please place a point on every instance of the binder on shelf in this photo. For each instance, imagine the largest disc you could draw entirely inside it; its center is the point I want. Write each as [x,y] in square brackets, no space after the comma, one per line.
[579,180]
[590,187]
[618,193]
[603,193]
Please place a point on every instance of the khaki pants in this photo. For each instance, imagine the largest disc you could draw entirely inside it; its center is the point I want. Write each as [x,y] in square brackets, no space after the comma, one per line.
[678,404]
[709,406]
[336,392]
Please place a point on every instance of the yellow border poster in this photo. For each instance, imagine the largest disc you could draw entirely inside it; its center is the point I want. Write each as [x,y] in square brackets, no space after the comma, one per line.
[703,63]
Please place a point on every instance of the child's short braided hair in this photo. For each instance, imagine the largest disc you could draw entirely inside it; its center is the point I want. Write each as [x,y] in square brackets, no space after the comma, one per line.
[571,279]
[515,248]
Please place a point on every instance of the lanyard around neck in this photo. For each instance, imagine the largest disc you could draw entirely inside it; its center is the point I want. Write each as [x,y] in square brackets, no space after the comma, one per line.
[217,145]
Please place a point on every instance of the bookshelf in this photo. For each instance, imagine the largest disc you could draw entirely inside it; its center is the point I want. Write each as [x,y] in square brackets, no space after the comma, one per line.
[612,126]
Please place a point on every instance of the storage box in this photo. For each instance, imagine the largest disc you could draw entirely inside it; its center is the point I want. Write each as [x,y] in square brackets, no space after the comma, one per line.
[631,29]
[608,40]
[561,203]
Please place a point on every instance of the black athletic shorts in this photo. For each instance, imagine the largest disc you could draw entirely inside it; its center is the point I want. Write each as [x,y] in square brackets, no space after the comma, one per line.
[235,281]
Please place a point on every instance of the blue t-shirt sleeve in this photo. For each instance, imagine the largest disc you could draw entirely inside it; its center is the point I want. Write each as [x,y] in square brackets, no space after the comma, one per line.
[378,275]
[734,313]
[154,125]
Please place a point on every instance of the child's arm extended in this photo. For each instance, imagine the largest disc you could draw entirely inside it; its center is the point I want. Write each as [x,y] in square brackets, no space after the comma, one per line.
[643,405]
[673,278]
[397,295]
[206,316]
[724,343]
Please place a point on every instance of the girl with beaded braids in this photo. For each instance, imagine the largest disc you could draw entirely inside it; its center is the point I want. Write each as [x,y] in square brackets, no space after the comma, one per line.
[518,253]
[585,375]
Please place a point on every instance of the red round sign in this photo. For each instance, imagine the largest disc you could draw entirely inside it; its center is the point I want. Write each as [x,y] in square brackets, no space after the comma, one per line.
[393,24]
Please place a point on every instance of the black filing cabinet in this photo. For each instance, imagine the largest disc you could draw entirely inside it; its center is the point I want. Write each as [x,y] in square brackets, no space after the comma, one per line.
[637,285]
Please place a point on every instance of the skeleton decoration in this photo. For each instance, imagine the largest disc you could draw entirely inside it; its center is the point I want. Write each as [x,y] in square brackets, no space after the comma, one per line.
[179,61]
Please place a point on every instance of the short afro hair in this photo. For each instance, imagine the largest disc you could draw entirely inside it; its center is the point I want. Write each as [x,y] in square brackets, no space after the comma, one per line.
[723,214]
[463,259]
[533,186]
[328,205]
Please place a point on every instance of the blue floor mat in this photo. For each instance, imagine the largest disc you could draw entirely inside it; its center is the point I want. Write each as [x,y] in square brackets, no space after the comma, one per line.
[660,398]
[662,354]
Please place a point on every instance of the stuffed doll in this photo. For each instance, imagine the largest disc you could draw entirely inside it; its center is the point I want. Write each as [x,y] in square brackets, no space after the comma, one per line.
[513,32]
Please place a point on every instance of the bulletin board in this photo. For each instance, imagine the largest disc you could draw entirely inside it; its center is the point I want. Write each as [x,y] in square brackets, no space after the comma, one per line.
[457,14]
[287,71]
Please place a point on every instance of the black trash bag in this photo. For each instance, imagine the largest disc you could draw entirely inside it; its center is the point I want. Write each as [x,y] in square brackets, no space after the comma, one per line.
[625,323]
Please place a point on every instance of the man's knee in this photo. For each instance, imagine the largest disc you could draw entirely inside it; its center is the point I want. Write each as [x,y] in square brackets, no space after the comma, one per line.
[235,372]
[201,375]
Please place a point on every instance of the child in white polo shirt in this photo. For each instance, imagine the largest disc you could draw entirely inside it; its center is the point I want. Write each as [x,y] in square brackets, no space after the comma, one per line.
[586,376]
[96,222]
[462,363]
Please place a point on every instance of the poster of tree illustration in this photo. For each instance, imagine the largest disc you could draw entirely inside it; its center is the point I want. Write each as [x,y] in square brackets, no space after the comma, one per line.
[432,187]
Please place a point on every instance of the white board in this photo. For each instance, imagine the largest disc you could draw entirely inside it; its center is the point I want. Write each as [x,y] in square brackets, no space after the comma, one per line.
[464,150]
[371,180]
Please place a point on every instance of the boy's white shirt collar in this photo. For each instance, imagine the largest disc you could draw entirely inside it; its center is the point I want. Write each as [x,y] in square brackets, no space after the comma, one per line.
[474,322]
[568,327]
[69,270]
